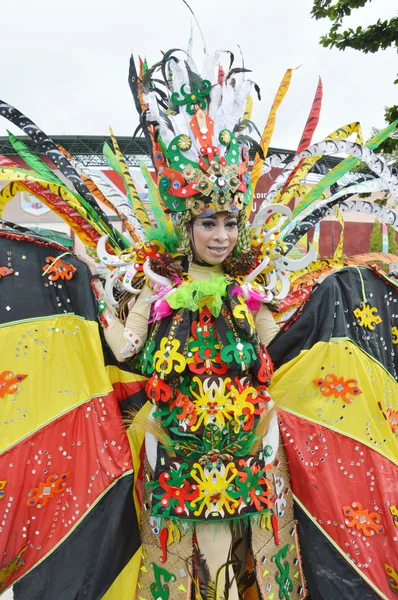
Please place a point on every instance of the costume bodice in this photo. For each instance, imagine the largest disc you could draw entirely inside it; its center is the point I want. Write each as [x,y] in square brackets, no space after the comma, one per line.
[208,373]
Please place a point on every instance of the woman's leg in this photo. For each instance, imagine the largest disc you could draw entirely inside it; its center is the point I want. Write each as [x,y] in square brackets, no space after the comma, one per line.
[240,544]
[214,541]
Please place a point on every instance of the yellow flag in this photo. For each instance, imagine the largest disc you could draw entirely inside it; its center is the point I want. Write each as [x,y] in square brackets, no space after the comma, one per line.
[268,131]
[338,253]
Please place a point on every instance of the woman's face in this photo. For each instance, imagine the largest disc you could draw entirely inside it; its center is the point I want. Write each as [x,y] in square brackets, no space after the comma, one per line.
[213,238]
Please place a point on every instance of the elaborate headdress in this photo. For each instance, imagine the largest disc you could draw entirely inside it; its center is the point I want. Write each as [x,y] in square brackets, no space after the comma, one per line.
[201,162]
[196,125]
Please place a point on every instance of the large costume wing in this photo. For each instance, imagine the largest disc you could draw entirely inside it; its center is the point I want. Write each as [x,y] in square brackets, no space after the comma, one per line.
[68,501]
[336,386]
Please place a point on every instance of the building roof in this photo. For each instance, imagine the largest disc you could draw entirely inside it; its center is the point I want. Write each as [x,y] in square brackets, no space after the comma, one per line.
[87,149]
[57,236]
[48,234]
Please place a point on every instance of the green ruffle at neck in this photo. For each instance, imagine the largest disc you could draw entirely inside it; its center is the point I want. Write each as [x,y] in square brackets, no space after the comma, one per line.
[200,293]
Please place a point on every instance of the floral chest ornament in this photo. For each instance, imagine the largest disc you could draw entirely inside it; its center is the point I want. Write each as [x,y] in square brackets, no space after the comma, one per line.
[204,348]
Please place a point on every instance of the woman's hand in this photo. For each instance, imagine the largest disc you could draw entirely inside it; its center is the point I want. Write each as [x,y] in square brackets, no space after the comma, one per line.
[89,262]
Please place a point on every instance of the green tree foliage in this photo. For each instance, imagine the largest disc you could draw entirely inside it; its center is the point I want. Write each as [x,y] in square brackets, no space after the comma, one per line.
[375,244]
[379,36]
[375,238]
[390,146]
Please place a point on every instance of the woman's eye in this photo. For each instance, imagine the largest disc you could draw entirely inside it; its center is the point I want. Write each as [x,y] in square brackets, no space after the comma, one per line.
[207,224]
[231,225]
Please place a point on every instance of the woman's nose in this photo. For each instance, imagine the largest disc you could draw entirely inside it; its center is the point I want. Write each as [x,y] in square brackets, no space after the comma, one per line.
[221,233]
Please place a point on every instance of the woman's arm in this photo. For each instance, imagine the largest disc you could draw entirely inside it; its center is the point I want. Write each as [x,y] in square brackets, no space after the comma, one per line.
[126,340]
[265,325]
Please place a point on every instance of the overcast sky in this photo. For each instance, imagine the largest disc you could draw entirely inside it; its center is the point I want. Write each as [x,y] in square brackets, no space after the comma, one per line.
[65,65]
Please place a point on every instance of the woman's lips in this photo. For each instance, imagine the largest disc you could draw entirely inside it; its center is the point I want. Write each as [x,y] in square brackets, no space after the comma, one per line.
[217,250]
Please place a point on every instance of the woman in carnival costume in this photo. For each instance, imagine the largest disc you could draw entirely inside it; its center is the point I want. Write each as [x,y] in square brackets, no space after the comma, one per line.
[191,316]
[216,519]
